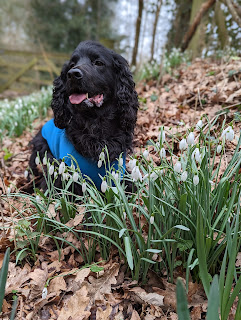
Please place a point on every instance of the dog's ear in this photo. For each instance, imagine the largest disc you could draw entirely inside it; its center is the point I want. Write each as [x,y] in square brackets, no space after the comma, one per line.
[60,99]
[127,100]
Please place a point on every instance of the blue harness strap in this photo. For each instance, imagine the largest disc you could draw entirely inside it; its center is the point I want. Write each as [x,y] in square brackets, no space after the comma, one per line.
[62,148]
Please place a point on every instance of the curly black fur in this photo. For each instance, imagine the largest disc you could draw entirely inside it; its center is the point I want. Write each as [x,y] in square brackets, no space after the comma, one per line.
[89,127]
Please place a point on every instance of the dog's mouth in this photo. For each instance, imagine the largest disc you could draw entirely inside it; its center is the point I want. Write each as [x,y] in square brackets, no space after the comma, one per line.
[78,98]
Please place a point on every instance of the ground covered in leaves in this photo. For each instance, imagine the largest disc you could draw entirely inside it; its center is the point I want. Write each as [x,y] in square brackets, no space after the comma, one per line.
[176,102]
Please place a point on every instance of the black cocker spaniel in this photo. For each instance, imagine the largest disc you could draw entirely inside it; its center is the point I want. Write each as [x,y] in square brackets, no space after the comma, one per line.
[95,106]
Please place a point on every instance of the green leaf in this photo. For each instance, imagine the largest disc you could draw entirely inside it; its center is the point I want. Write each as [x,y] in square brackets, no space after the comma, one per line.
[96,269]
[154,97]
[213,300]
[7,154]
[182,307]
[128,251]
[3,276]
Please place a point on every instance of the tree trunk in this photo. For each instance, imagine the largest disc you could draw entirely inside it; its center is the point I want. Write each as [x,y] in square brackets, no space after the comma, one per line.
[193,37]
[220,21]
[235,11]
[158,8]
[138,29]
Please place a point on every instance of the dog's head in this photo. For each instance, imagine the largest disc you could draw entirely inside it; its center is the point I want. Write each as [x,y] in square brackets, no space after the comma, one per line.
[95,77]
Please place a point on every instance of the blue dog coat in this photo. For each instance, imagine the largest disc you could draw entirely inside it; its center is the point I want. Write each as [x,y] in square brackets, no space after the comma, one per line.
[62,148]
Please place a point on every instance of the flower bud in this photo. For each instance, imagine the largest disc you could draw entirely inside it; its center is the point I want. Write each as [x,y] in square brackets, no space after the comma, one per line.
[75,176]
[183,144]
[196,180]
[191,138]
[178,167]
[184,176]
[84,187]
[162,153]
[103,186]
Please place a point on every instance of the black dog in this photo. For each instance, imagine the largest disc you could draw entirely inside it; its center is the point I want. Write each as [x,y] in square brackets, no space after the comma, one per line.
[95,101]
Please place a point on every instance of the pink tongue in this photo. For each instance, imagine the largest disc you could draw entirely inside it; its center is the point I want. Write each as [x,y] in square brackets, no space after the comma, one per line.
[77,98]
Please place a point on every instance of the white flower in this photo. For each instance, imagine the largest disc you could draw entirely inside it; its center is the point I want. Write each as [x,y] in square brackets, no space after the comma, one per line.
[121,162]
[183,144]
[65,176]
[199,125]
[99,164]
[153,176]
[84,187]
[103,186]
[162,153]
[55,174]
[212,183]
[115,175]
[132,164]
[151,219]
[102,156]
[184,176]
[191,138]
[44,161]
[228,133]
[8,189]
[178,167]
[75,176]
[37,160]
[195,180]
[25,174]
[44,293]
[135,174]
[146,154]
[157,146]
[196,154]
[219,148]
[51,169]
[61,167]
[38,198]
[124,215]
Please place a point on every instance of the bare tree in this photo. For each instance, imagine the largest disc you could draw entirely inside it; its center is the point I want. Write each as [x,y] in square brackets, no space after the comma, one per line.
[138,29]
[157,13]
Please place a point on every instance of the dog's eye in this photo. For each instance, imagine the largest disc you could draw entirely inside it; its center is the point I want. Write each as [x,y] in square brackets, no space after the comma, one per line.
[71,65]
[99,63]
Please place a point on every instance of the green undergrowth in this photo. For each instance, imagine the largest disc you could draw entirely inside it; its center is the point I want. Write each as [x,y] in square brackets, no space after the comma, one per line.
[17,115]
[183,214]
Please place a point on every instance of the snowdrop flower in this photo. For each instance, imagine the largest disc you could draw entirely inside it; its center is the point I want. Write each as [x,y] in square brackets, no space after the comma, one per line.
[51,169]
[99,164]
[102,156]
[199,125]
[37,160]
[184,176]
[151,219]
[124,215]
[153,176]
[178,167]
[219,148]
[135,174]
[55,174]
[196,180]
[8,189]
[196,154]
[183,144]
[61,167]
[132,164]
[25,174]
[162,153]
[191,138]
[65,176]
[146,154]
[44,293]
[38,198]
[212,183]
[44,161]
[121,162]
[103,186]
[228,133]
[75,176]
[115,175]
[157,146]
[84,186]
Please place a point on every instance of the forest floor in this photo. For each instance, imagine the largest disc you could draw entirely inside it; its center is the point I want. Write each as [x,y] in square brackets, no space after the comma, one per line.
[177,102]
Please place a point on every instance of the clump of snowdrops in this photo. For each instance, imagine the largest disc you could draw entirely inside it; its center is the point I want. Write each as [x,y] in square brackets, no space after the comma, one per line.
[17,115]
[181,213]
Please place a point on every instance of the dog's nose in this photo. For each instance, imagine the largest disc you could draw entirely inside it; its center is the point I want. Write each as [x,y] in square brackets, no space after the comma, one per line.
[75,73]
